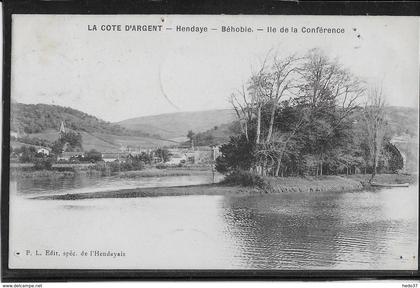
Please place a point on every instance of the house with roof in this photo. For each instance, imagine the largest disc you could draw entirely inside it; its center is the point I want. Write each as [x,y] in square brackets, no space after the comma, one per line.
[177,159]
[43,150]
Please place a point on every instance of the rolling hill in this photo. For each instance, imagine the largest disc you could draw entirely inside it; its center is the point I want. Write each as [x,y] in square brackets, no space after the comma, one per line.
[177,125]
[36,118]
[42,121]
[107,142]
[218,124]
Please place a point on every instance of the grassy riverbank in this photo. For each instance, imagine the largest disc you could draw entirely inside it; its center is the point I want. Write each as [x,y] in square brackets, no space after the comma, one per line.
[276,185]
[385,178]
[312,184]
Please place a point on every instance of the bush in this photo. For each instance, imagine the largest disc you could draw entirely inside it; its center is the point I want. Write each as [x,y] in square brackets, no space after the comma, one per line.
[93,156]
[238,154]
[245,178]
[64,169]
[114,166]
[43,164]
[133,164]
[161,166]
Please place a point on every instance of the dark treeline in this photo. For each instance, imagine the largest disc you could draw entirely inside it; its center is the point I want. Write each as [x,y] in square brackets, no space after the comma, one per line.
[304,116]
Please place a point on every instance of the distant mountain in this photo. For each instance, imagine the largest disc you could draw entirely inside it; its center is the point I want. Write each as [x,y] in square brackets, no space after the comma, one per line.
[177,125]
[219,124]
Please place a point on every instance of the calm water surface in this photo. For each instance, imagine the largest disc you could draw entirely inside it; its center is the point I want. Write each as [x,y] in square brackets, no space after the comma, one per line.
[340,230]
[86,184]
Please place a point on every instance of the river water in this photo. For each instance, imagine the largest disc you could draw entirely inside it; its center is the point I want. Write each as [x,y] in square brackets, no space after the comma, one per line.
[331,230]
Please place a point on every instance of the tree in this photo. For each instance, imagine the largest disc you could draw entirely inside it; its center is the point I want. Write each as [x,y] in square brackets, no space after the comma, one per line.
[298,115]
[256,103]
[28,154]
[93,156]
[394,158]
[145,158]
[190,136]
[44,163]
[163,154]
[290,122]
[57,147]
[374,126]
[330,92]
[321,94]
[73,139]
[237,154]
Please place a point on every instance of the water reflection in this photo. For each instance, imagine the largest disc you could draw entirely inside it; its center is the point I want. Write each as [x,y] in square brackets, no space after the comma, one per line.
[341,230]
[325,230]
[86,184]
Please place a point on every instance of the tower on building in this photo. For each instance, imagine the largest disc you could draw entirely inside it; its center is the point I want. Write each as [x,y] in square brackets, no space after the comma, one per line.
[62,129]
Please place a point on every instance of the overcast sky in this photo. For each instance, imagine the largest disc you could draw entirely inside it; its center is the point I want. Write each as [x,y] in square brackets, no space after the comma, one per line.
[121,75]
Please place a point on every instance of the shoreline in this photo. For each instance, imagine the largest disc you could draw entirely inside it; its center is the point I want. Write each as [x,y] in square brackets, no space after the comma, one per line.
[146,173]
[276,186]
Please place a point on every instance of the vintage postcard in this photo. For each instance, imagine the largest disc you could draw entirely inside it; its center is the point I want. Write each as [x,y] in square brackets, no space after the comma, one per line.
[214,142]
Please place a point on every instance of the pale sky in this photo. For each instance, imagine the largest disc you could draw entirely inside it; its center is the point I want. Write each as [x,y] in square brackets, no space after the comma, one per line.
[121,75]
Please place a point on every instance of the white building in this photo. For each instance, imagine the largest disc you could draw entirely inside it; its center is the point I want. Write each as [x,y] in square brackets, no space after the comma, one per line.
[111,157]
[65,156]
[43,150]
[177,158]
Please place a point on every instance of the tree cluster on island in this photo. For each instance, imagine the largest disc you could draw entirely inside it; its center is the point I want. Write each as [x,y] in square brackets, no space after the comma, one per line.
[308,115]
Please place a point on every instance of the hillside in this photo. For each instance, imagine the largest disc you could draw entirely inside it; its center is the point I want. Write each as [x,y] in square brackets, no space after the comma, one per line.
[402,120]
[217,135]
[177,125]
[42,121]
[107,142]
[37,118]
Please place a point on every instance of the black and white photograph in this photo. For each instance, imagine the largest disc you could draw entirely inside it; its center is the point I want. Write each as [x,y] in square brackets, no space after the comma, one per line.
[214,142]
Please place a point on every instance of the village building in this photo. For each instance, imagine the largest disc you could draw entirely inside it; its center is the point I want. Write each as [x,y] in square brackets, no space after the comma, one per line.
[133,150]
[195,155]
[44,150]
[111,157]
[177,159]
[66,156]
[62,128]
